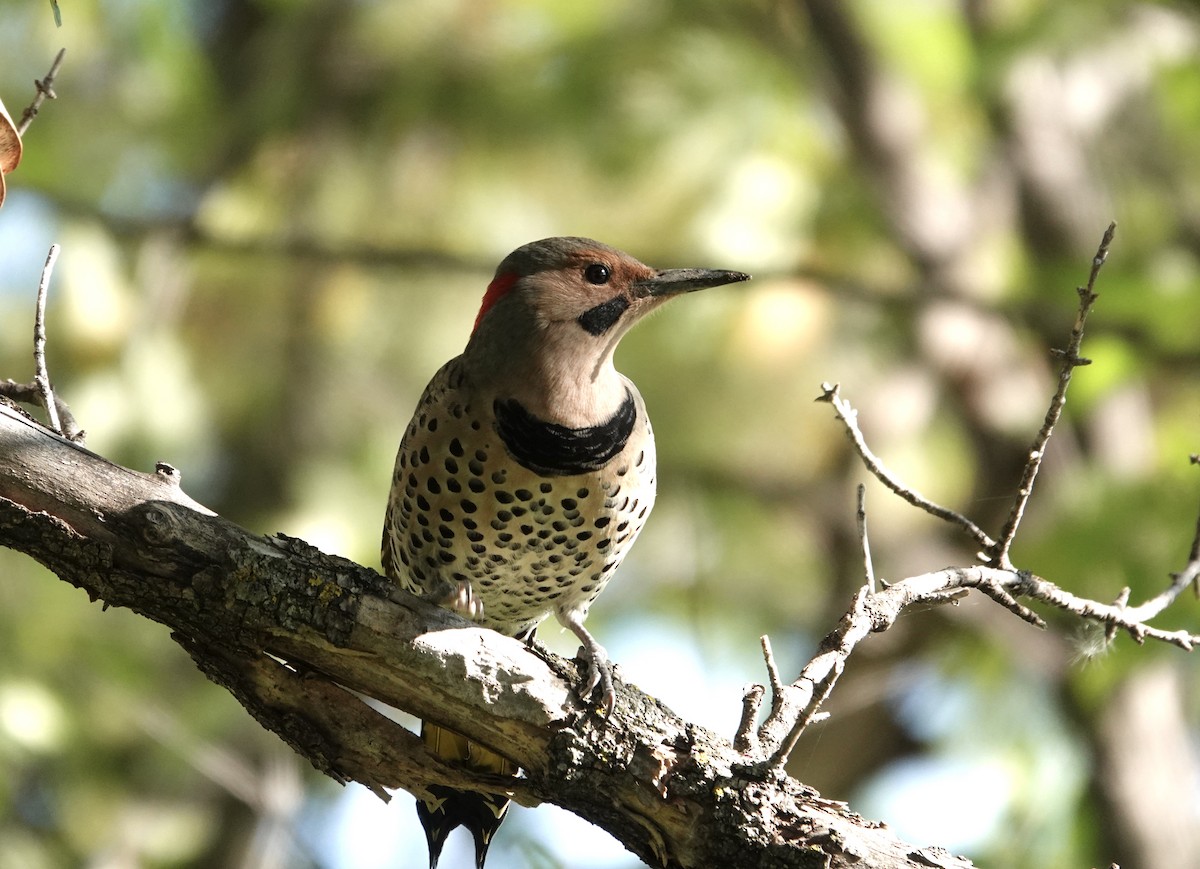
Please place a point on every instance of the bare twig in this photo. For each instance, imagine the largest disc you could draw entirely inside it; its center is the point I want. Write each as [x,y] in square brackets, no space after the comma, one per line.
[40,375]
[45,91]
[772,670]
[1194,553]
[849,417]
[1131,620]
[819,676]
[861,516]
[998,554]
[39,391]
[994,588]
[788,703]
[872,613]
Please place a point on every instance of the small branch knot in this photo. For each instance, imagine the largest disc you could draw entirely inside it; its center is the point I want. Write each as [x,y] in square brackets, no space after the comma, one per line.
[168,473]
[44,88]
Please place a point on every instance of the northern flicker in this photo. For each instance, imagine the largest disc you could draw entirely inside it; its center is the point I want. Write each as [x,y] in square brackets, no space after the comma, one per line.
[528,471]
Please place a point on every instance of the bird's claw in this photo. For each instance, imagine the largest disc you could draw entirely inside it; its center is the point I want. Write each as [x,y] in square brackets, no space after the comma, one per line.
[462,600]
[599,675]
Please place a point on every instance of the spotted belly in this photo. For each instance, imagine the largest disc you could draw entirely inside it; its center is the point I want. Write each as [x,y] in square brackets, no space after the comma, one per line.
[462,509]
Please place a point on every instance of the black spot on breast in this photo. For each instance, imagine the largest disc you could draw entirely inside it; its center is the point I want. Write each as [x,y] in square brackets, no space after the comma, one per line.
[554,450]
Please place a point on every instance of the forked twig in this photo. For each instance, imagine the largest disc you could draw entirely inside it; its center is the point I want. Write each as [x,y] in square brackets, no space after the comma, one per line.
[40,391]
[873,613]
[796,705]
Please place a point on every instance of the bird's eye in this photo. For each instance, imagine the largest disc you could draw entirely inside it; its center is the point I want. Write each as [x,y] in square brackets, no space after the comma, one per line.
[597,273]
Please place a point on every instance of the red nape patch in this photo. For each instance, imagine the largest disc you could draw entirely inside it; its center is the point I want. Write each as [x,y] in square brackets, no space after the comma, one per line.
[496,291]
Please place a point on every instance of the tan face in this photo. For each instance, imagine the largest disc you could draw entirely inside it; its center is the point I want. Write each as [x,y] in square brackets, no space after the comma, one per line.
[592,288]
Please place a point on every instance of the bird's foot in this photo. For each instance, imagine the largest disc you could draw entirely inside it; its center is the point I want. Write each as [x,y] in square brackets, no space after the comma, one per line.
[599,668]
[462,600]
[599,675]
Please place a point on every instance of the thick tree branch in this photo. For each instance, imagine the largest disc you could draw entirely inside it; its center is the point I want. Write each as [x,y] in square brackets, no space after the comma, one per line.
[294,634]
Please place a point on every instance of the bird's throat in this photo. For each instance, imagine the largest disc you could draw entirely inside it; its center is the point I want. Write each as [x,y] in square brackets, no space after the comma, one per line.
[554,450]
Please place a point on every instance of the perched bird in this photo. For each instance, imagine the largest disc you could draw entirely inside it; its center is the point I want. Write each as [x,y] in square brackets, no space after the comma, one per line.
[527,472]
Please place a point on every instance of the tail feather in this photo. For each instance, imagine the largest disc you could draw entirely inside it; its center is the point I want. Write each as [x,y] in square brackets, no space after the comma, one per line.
[481,814]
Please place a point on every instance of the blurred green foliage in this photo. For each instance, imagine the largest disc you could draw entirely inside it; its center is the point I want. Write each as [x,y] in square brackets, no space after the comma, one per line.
[277,219]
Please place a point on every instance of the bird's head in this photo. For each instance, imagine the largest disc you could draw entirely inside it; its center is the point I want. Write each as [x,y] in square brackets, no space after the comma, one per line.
[556,309]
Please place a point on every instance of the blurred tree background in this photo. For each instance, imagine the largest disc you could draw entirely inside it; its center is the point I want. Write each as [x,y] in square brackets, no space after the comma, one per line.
[277,219]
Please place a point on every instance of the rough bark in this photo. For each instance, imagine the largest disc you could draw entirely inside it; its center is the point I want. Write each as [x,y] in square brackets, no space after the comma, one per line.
[300,637]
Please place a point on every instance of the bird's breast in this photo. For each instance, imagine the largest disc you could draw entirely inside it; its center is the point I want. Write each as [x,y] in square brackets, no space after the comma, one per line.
[536,516]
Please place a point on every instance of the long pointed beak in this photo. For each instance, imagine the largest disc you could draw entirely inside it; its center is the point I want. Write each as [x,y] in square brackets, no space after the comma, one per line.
[670,282]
